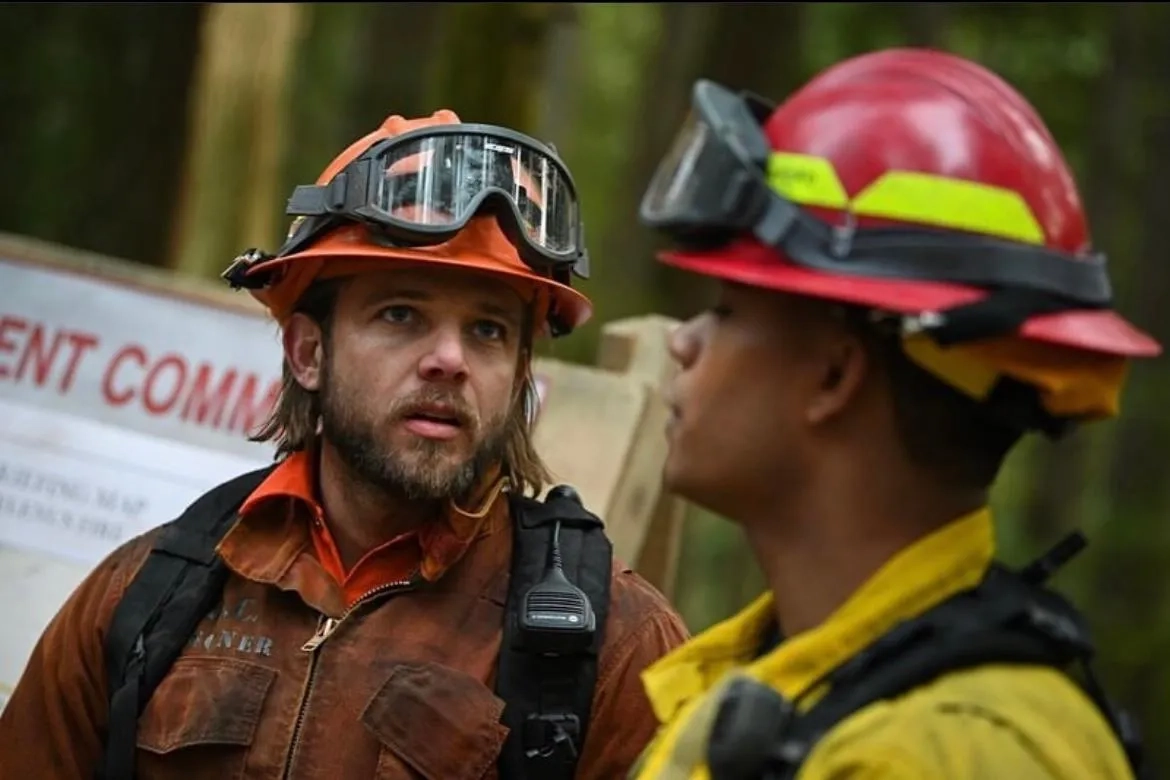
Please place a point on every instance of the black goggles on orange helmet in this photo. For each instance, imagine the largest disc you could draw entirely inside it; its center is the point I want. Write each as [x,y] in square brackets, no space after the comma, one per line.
[711,187]
[422,187]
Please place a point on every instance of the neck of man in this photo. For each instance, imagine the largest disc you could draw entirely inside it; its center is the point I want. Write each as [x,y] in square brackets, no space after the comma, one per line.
[362,516]
[816,548]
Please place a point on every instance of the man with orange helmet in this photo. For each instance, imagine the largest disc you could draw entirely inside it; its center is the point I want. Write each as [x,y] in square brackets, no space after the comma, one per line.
[907,287]
[390,599]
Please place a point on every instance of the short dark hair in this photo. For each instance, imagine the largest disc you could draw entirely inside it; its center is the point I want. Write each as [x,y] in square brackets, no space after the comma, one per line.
[941,429]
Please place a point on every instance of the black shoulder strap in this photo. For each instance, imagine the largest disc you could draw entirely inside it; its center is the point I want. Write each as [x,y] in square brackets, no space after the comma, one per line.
[176,587]
[1008,618]
[548,698]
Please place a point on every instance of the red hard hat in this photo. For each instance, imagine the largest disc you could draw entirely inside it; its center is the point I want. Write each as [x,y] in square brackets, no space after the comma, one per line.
[921,137]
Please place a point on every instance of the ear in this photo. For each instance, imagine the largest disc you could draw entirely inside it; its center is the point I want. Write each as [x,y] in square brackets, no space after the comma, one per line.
[842,372]
[304,350]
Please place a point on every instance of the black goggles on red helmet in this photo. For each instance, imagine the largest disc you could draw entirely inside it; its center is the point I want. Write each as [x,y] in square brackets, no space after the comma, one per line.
[422,187]
[711,187]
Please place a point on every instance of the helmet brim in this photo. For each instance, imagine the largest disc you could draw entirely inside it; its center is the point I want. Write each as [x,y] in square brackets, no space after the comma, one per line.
[470,254]
[753,264]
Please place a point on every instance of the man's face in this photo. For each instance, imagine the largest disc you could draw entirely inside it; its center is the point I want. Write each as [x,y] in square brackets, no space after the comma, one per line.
[737,429]
[417,378]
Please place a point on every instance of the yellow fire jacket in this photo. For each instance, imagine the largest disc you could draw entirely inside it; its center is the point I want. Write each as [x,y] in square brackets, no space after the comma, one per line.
[989,723]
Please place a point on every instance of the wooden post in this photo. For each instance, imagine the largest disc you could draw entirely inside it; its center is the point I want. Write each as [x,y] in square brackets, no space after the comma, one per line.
[636,348]
[233,169]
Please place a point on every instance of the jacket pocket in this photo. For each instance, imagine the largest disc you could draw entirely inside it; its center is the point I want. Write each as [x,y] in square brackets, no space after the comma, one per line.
[435,723]
[202,718]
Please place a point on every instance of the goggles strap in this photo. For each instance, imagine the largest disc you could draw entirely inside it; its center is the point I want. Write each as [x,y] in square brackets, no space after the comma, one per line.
[1043,278]
[999,314]
[237,275]
[310,200]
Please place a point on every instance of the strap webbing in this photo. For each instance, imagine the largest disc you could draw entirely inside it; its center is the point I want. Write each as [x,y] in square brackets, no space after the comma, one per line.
[178,584]
[549,699]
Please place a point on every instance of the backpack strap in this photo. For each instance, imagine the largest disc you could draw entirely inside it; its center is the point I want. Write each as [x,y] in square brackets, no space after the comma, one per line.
[176,587]
[1007,619]
[548,696]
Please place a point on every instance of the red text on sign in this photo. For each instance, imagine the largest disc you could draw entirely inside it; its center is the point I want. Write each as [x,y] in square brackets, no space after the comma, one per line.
[169,385]
[34,352]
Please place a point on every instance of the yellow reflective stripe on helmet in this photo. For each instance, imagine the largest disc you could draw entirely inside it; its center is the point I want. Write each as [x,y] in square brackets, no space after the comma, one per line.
[953,203]
[807,180]
[908,196]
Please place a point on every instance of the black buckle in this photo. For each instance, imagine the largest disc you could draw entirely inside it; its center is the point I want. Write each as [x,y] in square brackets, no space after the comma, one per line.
[551,736]
[236,273]
[751,721]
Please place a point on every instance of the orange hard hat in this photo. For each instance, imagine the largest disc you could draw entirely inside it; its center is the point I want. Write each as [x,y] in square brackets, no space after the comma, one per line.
[481,246]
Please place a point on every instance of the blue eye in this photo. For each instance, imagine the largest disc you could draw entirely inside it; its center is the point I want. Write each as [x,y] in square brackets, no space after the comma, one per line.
[489,331]
[400,314]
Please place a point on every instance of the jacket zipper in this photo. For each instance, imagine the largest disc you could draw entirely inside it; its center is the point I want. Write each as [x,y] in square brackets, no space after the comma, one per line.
[326,626]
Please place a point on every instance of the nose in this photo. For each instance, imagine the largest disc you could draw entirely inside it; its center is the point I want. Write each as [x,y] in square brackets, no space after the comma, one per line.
[683,343]
[446,358]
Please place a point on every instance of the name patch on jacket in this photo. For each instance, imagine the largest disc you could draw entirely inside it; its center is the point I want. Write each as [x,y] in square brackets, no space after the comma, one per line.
[231,627]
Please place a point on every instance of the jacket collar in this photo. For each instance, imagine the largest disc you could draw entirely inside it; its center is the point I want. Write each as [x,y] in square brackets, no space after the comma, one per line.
[271,541]
[949,560]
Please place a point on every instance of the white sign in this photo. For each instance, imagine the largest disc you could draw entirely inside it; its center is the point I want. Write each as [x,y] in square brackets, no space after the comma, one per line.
[76,489]
[158,364]
[113,400]
[118,407]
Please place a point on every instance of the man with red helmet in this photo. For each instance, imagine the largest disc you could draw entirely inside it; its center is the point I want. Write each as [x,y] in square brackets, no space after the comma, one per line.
[387,600]
[907,287]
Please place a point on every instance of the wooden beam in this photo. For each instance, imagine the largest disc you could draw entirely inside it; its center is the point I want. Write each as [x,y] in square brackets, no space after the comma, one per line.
[637,348]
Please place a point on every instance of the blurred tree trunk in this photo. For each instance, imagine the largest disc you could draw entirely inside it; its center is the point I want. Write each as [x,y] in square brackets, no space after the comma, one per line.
[560,90]
[328,68]
[358,64]
[1056,500]
[743,46]
[396,48]
[756,47]
[94,122]
[491,61]
[625,248]
[591,102]
[233,176]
